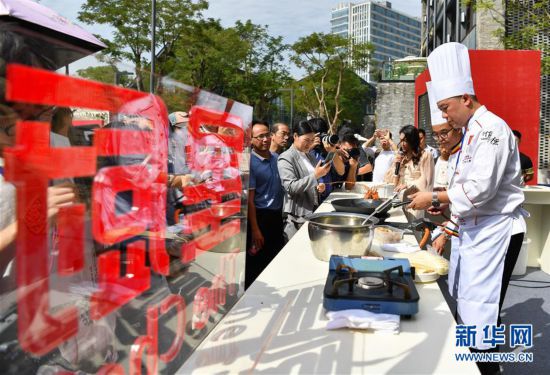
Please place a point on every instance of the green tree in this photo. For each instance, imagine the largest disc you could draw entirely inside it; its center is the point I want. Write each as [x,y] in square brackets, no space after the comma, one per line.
[104,73]
[243,62]
[131,19]
[209,57]
[264,70]
[529,31]
[327,59]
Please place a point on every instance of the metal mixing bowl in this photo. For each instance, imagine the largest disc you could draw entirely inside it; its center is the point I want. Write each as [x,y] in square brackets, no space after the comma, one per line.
[339,233]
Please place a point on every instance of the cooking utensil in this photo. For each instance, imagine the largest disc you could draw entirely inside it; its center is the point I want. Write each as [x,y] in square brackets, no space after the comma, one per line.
[359,206]
[399,204]
[382,207]
[339,233]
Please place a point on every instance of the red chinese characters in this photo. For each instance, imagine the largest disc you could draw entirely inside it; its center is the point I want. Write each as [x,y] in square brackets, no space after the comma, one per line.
[139,170]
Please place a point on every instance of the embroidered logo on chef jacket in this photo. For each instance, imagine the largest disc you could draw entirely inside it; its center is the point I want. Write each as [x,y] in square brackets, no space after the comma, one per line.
[486,135]
[467,159]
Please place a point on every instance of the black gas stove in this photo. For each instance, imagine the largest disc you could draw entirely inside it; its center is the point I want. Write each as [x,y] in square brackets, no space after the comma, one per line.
[382,286]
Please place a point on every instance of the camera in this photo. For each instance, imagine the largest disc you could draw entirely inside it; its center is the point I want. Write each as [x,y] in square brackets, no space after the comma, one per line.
[330,139]
[354,153]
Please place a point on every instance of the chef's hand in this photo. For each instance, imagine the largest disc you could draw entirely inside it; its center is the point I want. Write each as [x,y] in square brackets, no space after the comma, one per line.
[435,211]
[257,238]
[321,187]
[439,244]
[321,170]
[420,200]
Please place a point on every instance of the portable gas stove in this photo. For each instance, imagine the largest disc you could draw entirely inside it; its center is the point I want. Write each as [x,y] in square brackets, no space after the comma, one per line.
[381,286]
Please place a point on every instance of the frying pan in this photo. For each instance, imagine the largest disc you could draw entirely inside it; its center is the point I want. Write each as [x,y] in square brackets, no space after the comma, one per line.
[359,206]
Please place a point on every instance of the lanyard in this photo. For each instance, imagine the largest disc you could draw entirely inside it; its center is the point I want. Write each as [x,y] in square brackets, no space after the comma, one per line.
[458,158]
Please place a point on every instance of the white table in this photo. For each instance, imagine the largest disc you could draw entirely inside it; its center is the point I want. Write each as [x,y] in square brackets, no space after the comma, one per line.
[537,202]
[278,326]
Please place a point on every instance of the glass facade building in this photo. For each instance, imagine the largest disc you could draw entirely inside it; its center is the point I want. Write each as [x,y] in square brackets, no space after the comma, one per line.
[393,33]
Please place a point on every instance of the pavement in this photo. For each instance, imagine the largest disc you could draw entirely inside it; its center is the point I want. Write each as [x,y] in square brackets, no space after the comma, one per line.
[527,302]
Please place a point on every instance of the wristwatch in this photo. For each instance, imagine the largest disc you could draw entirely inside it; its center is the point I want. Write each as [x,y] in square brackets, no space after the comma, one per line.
[435,200]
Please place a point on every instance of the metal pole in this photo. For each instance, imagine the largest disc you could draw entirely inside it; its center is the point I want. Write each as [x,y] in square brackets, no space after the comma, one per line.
[458,18]
[153,28]
[435,25]
[444,19]
[291,107]
[428,27]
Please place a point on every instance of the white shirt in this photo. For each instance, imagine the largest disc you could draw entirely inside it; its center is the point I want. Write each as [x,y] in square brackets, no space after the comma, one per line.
[440,173]
[382,163]
[433,151]
[488,175]
[310,168]
[58,140]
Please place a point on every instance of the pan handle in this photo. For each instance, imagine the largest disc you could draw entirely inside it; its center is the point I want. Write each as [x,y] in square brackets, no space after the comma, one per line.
[394,205]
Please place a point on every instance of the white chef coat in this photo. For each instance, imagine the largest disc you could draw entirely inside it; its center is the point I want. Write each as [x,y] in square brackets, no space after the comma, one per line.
[486,197]
[490,173]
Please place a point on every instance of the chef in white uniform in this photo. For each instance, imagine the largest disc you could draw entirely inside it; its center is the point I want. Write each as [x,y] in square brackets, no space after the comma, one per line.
[450,139]
[485,195]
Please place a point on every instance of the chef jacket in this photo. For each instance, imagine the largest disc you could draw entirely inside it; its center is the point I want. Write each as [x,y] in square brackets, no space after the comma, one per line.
[488,176]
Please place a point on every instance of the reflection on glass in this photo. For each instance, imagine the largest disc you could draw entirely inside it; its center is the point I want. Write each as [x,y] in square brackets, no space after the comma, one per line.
[122,226]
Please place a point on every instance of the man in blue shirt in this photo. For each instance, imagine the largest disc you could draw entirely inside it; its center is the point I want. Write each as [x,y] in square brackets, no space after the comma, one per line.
[265,203]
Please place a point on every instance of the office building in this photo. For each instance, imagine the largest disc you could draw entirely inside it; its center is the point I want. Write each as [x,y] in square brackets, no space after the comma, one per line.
[394,34]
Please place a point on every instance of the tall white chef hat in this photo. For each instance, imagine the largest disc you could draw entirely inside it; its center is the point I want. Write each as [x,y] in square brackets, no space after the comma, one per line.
[435,114]
[449,66]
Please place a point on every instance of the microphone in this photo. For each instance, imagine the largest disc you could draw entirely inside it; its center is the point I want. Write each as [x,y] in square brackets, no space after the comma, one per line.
[398,165]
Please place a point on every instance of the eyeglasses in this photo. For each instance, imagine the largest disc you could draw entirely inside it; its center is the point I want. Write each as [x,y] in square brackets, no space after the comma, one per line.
[444,134]
[261,137]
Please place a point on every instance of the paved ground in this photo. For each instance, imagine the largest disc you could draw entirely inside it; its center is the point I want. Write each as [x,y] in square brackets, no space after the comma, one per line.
[527,301]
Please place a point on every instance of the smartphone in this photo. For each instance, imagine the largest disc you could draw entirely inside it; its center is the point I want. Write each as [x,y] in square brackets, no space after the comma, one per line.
[328,158]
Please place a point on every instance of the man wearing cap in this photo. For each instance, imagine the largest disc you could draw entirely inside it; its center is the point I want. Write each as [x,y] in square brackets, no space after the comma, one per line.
[485,196]
[179,174]
[449,139]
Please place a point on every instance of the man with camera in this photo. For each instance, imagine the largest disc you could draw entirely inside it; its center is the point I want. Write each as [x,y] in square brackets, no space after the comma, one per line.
[356,162]
[323,145]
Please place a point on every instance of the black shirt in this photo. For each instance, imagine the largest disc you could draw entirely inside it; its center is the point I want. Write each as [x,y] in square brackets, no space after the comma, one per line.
[526,164]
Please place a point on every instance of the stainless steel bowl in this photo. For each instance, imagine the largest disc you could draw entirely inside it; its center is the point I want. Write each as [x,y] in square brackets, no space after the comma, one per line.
[340,233]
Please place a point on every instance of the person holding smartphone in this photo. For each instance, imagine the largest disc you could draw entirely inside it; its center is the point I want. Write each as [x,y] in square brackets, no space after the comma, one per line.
[321,151]
[300,174]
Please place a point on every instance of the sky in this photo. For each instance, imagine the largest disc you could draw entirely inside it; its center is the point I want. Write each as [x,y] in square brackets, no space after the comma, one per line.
[290,19]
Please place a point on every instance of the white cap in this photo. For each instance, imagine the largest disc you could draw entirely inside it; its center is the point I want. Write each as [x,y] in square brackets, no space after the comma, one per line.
[449,66]
[435,114]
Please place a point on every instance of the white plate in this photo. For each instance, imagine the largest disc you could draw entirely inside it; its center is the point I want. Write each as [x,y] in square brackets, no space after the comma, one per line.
[425,277]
